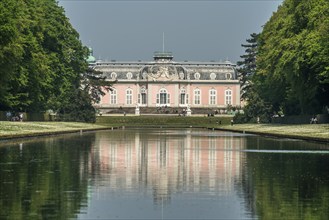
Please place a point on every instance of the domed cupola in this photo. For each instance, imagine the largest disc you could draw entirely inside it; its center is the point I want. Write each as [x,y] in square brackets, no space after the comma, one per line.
[91,59]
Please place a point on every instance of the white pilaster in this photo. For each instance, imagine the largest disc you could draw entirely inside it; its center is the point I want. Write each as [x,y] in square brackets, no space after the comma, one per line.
[238,96]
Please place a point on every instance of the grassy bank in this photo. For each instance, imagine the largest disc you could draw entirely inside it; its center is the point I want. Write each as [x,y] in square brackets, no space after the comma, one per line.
[25,129]
[9,130]
[318,132]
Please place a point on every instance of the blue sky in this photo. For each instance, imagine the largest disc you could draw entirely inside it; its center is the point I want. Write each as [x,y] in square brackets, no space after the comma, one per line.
[194,30]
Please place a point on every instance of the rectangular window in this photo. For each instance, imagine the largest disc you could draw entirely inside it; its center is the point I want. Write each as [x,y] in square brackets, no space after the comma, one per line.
[182,98]
[212,97]
[129,97]
[197,97]
[143,98]
[113,97]
[163,98]
[228,97]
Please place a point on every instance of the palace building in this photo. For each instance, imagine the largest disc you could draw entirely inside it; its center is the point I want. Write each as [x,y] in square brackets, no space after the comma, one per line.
[165,83]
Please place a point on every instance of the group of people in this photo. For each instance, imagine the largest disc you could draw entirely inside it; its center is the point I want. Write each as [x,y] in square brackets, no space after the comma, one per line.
[14,116]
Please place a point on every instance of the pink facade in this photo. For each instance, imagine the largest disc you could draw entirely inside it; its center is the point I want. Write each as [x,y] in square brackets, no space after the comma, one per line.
[174,91]
[164,82]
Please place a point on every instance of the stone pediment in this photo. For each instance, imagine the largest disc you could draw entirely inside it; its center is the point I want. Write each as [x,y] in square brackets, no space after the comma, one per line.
[160,72]
[163,73]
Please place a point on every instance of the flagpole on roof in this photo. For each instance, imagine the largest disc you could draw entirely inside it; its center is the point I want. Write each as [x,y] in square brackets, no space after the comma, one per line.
[163,43]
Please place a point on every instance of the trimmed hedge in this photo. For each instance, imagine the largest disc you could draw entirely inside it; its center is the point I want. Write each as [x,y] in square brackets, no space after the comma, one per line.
[165,121]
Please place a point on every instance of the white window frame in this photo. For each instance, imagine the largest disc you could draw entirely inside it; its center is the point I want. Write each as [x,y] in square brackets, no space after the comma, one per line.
[113,97]
[129,96]
[228,97]
[140,97]
[129,75]
[114,75]
[212,96]
[163,100]
[197,97]
[183,95]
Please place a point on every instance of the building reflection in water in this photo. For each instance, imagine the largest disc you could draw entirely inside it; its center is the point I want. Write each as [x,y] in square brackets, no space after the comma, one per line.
[168,162]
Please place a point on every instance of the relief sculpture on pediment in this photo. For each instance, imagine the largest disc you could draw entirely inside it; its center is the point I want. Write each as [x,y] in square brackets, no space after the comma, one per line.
[163,73]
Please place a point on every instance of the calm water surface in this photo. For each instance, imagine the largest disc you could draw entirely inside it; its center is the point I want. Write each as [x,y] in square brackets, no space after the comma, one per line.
[163,174]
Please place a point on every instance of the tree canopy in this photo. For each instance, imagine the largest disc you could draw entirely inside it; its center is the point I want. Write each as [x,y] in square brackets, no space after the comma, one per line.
[42,60]
[41,55]
[293,58]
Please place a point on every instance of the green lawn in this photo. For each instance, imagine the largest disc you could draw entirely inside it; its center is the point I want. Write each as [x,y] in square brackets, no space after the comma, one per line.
[25,129]
[10,129]
[314,131]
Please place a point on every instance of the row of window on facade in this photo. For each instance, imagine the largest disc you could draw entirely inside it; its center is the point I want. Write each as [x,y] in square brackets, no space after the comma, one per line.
[163,97]
[197,75]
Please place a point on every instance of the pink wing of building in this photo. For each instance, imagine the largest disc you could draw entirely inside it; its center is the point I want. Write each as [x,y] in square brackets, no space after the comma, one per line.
[167,83]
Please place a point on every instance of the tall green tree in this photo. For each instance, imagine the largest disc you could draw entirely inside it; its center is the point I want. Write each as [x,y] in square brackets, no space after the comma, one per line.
[94,83]
[67,55]
[42,61]
[30,83]
[11,48]
[247,67]
[293,57]
[78,105]
[30,32]
[255,107]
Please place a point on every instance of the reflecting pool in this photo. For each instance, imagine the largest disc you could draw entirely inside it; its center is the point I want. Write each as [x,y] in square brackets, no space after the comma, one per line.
[163,174]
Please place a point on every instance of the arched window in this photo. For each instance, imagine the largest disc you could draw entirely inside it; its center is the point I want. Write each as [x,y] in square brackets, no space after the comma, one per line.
[113,96]
[129,96]
[142,96]
[228,97]
[212,97]
[163,97]
[197,96]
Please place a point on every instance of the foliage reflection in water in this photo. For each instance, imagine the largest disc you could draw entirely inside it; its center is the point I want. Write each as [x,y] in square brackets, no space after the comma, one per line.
[161,174]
